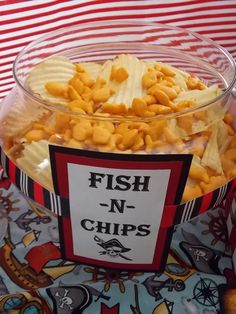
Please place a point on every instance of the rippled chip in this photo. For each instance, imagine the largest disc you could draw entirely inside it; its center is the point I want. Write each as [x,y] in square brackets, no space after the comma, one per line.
[130,88]
[223,138]
[200,96]
[56,69]
[93,69]
[35,163]
[211,156]
[25,113]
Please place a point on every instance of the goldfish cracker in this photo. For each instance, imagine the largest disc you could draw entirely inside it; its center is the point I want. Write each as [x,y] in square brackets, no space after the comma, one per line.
[82,130]
[167,71]
[114,141]
[191,192]
[79,68]
[198,173]
[139,106]
[169,91]
[129,139]
[185,123]
[35,135]
[108,125]
[194,83]
[101,94]
[119,109]
[86,79]
[149,78]
[74,144]
[155,129]
[67,135]
[122,128]
[119,74]
[141,126]
[185,104]
[160,96]
[56,88]
[72,93]
[159,109]
[62,121]
[230,154]
[149,114]
[139,143]
[228,118]
[149,143]
[77,84]
[76,104]
[101,135]
[149,99]
[199,115]
[214,183]
[170,136]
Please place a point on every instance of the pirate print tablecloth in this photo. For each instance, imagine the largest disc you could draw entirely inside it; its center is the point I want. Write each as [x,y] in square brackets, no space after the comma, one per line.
[35,279]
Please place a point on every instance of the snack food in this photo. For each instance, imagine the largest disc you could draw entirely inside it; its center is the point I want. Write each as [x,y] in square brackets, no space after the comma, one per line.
[126,105]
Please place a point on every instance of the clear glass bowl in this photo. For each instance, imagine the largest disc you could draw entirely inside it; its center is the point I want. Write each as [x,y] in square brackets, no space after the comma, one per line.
[99,42]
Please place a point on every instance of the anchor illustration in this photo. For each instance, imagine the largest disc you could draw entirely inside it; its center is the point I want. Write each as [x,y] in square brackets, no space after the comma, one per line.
[24,222]
[154,286]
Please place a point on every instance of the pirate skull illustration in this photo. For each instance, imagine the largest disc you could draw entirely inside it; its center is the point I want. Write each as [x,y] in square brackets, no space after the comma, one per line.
[112,248]
[198,253]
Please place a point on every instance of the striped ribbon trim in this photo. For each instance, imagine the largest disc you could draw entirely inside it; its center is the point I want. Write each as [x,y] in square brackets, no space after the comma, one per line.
[183,212]
[30,188]
[193,208]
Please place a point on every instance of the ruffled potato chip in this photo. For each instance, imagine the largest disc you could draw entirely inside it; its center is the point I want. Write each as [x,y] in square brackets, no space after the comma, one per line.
[35,163]
[93,69]
[223,138]
[25,113]
[130,88]
[57,69]
[211,156]
[200,96]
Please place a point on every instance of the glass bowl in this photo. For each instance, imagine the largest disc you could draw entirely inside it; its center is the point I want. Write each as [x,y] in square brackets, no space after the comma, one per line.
[211,121]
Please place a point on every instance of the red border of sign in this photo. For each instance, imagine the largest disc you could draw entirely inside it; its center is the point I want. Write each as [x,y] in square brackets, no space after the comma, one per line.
[177,164]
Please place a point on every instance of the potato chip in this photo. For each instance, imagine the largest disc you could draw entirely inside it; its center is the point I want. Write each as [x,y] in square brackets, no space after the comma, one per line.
[200,96]
[57,69]
[93,69]
[172,124]
[211,156]
[25,113]
[35,163]
[199,126]
[223,139]
[214,113]
[180,80]
[130,88]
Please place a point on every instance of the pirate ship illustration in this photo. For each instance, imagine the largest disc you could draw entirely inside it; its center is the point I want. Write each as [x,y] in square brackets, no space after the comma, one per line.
[34,274]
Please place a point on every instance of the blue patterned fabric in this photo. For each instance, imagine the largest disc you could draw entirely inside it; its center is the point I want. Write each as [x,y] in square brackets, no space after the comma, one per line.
[199,261]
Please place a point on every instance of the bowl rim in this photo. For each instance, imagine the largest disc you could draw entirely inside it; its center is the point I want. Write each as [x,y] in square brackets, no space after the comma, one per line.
[118,22]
